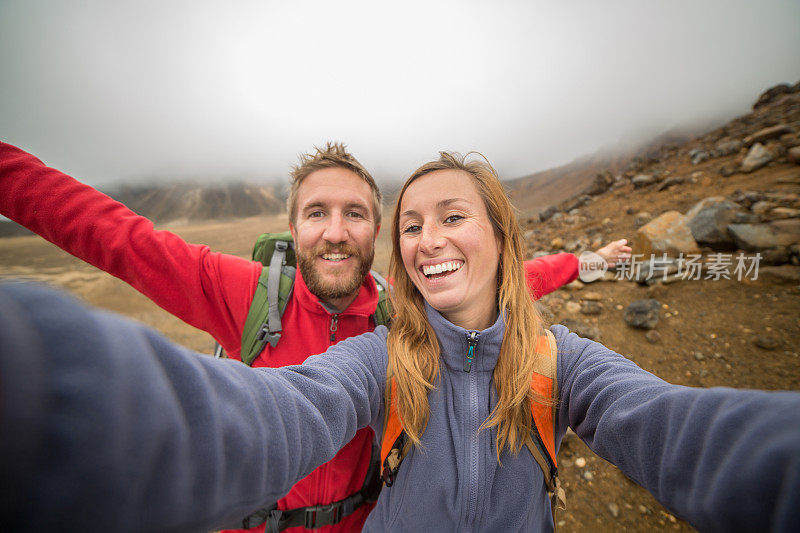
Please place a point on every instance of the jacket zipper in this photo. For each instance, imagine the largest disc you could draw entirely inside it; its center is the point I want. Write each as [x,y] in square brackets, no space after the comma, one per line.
[334,327]
[472,341]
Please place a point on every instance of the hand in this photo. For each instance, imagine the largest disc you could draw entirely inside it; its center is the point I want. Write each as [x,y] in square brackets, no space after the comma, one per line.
[615,252]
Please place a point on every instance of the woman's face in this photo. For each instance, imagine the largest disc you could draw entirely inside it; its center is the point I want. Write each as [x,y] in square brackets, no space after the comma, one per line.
[449,247]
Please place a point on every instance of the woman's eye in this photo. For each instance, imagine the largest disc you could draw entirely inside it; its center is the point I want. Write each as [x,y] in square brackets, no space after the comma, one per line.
[453,218]
[413,228]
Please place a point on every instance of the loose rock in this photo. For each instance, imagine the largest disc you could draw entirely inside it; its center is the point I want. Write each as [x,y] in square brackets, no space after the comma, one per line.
[757,157]
[589,307]
[794,155]
[642,180]
[613,508]
[766,342]
[572,307]
[653,336]
[642,314]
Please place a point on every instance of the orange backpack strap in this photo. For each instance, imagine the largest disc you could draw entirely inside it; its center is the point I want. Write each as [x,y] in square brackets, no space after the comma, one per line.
[542,444]
[393,445]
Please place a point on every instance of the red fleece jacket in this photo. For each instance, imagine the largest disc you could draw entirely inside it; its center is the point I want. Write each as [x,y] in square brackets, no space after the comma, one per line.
[211,291]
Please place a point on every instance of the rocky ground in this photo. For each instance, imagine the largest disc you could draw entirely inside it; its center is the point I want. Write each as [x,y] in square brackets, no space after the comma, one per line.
[701,332]
[733,192]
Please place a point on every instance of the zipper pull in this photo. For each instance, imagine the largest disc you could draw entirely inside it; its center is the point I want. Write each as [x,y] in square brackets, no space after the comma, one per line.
[334,327]
[472,341]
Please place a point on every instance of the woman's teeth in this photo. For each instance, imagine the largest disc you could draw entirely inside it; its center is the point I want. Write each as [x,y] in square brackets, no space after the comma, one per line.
[335,257]
[447,266]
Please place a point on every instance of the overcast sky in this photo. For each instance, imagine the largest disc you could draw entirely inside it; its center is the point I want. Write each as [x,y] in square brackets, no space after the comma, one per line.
[225,89]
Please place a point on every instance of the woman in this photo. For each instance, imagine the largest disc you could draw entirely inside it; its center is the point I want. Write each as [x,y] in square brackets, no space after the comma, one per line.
[461,354]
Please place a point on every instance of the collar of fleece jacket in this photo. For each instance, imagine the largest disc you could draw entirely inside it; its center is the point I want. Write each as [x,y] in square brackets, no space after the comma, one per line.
[454,346]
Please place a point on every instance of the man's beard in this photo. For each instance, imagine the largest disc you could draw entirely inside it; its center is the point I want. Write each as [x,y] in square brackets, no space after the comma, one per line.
[341,286]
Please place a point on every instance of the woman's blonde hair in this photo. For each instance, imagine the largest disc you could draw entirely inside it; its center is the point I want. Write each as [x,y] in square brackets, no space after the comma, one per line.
[412,344]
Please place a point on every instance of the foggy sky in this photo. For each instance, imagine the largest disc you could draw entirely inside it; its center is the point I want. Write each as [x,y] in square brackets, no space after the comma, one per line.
[217,89]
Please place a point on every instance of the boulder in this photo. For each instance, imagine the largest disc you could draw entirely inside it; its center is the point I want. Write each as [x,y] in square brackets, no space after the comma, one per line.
[757,157]
[669,182]
[642,314]
[787,231]
[709,219]
[699,156]
[794,155]
[784,212]
[642,180]
[753,237]
[727,146]
[602,182]
[667,234]
[547,213]
[766,134]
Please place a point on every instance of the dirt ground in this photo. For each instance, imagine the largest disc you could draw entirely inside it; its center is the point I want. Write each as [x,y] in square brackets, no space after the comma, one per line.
[707,328]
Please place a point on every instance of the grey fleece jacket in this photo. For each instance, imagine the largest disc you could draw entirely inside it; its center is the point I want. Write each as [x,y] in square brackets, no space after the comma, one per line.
[105,425]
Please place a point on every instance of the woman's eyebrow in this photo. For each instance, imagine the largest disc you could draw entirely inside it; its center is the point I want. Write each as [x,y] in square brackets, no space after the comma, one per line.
[439,205]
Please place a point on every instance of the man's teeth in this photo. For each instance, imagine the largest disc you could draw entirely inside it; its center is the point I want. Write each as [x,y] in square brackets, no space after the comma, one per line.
[447,266]
[335,257]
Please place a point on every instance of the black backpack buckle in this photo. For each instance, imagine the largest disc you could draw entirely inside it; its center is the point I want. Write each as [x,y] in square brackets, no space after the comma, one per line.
[322,515]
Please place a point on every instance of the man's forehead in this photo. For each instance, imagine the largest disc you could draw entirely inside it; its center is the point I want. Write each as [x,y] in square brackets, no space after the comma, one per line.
[334,186]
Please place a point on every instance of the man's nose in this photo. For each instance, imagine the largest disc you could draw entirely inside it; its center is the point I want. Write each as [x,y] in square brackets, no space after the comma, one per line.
[336,230]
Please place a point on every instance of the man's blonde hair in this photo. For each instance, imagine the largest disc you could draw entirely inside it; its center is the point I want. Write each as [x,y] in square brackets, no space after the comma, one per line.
[333,155]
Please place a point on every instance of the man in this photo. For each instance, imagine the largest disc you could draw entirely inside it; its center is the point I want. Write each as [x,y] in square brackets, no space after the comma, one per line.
[334,215]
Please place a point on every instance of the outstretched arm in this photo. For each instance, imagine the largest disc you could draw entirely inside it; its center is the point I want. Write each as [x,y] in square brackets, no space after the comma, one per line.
[107,425]
[548,273]
[208,290]
[723,459]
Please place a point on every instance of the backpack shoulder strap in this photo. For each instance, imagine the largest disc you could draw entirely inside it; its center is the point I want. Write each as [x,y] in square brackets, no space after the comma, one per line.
[393,442]
[263,323]
[542,443]
[383,311]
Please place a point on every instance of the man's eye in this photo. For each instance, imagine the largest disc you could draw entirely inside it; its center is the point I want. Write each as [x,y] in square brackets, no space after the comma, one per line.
[315,214]
[355,214]
[453,218]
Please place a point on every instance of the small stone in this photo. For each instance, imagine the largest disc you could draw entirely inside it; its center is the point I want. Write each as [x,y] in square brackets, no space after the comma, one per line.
[591,295]
[580,462]
[613,508]
[574,286]
[587,475]
[644,510]
[589,307]
[642,314]
[766,342]
[699,356]
[557,243]
[619,307]
[653,336]
[572,307]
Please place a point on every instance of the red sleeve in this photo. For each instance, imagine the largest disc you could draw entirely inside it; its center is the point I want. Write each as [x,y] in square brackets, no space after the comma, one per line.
[208,290]
[550,272]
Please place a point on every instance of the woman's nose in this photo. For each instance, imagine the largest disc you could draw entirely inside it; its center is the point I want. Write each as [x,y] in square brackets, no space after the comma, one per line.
[431,240]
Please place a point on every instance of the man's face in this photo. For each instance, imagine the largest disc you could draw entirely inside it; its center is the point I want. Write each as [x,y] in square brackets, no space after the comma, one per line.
[334,233]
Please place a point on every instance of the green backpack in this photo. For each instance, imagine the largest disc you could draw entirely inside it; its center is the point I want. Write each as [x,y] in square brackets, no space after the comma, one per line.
[263,324]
